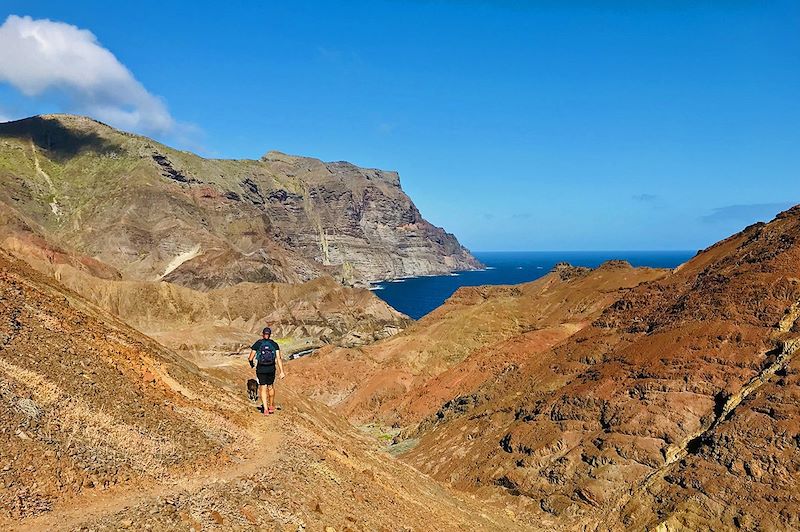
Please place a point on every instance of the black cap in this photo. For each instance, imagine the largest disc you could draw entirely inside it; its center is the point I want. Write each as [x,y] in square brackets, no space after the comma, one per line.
[266,330]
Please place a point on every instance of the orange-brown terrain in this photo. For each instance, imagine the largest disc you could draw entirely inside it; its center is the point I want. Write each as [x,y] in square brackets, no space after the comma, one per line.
[677,408]
[104,429]
[224,320]
[477,335]
[614,398]
[607,399]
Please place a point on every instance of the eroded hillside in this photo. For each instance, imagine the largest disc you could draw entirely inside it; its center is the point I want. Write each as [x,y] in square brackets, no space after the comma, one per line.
[93,404]
[225,320]
[676,408]
[217,321]
[105,429]
[477,335]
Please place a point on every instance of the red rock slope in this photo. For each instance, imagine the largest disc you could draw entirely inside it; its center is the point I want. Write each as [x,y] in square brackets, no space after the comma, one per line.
[676,409]
[478,334]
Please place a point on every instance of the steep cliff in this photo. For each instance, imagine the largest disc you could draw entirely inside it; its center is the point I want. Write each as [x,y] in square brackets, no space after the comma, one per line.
[214,322]
[155,213]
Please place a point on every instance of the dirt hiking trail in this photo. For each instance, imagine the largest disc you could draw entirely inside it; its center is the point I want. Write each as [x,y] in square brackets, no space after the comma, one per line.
[73,513]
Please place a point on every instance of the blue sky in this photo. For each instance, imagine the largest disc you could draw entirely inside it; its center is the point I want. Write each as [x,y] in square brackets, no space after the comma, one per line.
[516,125]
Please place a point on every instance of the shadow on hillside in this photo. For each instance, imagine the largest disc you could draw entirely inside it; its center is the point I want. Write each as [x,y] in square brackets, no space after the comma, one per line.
[58,141]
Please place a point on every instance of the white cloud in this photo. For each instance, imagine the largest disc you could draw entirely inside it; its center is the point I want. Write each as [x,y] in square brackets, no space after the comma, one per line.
[40,56]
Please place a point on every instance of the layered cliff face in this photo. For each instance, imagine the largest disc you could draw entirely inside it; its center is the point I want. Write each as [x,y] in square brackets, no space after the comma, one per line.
[154,213]
[216,322]
[677,408]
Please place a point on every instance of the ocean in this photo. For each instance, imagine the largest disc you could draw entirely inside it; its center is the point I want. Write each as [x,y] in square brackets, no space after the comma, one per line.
[418,296]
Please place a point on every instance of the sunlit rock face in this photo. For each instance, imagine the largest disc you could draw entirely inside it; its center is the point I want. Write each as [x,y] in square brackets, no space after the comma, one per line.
[155,213]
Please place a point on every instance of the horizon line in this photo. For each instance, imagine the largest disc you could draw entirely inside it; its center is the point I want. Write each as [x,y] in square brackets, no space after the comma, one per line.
[584,250]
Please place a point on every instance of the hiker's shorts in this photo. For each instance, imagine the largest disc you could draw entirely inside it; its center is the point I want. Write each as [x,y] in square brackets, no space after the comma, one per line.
[266,376]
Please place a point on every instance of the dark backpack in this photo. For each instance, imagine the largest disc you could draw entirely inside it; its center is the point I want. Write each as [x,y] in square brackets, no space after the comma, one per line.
[266,354]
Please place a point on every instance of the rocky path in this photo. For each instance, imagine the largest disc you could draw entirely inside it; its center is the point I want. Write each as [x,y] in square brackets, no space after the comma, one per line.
[72,514]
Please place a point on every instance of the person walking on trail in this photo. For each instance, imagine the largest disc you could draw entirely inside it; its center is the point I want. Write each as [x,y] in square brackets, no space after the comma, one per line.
[265,355]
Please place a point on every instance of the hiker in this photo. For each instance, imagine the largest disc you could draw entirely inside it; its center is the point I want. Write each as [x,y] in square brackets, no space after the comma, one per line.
[267,355]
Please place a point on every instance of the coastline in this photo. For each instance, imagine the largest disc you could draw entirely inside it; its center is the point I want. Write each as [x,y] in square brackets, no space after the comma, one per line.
[418,295]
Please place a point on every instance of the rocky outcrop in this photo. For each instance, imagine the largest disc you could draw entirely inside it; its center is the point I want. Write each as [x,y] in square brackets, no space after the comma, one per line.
[154,213]
[675,409]
[226,320]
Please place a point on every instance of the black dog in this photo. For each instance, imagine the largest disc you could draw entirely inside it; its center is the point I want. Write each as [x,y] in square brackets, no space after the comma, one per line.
[252,389]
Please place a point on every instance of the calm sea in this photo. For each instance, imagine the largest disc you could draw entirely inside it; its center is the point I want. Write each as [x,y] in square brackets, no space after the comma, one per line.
[419,295]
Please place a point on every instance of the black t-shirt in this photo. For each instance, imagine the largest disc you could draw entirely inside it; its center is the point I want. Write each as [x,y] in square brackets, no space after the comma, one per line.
[257,348]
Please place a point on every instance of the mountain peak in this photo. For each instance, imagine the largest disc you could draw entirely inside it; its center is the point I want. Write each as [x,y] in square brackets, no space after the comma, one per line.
[279,156]
[58,119]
